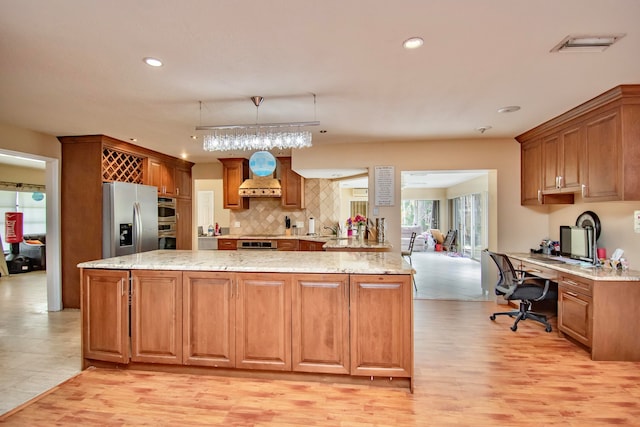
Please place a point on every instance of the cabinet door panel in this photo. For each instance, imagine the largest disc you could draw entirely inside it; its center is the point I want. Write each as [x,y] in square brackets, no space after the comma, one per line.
[381,319]
[550,162]
[105,315]
[209,322]
[603,159]
[183,224]
[531,163]
[263,321]
[320,324]
[571,155]
[156,317]
[574,315]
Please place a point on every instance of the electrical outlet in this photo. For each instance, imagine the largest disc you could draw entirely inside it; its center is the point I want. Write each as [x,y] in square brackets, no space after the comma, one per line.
[237,224]
[636,221]
[299,224]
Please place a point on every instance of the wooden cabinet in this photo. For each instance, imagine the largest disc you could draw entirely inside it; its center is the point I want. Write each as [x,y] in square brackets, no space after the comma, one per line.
[156,317]
[234,172]
[163,176]
[263,321]
[183,182]
[380,325]
[292,185]
[310,245]
[531,169]
[183,224]
[590,149]
[320,323]
[105,315]
[603,163]
[227,244]
[287,244]
[575,306]
[562,160]
[209,308]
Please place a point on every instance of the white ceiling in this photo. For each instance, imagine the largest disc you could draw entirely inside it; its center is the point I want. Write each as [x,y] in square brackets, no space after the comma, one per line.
[74,67]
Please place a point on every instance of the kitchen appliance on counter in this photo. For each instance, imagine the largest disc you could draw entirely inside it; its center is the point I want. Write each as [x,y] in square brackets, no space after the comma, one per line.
[129,219]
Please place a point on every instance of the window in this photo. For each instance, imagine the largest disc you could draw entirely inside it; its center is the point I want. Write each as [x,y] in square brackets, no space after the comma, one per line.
[358,208]
[468,220]
[424,213]
[33,207]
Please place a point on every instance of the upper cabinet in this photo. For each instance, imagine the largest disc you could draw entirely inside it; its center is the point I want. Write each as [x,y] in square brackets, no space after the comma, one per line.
[591,149]
[234,172]
[183,182]
[163,176]
[292,185]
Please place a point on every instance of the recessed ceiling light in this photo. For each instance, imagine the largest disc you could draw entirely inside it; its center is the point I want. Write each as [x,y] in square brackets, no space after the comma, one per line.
[154,62]
[133,139]
[183,155]
[586,43]
[413,43]
[194,136]
[509,109]
[323,131]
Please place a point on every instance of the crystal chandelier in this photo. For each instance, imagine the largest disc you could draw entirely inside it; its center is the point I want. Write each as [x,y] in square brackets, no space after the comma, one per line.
[258,136]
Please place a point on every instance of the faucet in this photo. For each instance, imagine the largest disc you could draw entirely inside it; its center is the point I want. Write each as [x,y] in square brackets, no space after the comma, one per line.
[334,230]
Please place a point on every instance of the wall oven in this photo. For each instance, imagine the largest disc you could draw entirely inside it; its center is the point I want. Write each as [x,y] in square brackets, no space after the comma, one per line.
[166,223]
[166,210]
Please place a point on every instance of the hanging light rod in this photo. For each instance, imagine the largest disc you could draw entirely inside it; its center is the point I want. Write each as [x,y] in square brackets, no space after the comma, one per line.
[260,125]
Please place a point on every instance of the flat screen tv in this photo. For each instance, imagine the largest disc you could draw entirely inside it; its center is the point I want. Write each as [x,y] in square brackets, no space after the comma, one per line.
[576,242]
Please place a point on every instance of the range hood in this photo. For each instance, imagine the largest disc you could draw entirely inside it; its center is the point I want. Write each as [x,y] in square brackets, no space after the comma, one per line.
[260,187]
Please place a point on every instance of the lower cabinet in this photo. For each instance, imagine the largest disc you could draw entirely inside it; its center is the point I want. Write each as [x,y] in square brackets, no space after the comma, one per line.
[156,317]
[574,311]
[310,245]
[315,323]
[105,315]
[381,325]
[320,324]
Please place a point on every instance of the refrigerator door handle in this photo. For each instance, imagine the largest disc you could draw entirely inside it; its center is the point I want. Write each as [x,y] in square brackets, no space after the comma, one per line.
[138,224]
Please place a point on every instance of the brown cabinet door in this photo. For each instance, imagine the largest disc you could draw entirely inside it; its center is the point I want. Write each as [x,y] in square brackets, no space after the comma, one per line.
[572,154]
[287,244]
[183,224]
[234,172]
[308,245]
[156,317]
[227,244]
[162,176]
[381,319]
[263,321]
[320,323]
[531,163]
[209,319]
[551,162]
[105,315]
[292,186]
[183,183]
[574,314]
[603,158]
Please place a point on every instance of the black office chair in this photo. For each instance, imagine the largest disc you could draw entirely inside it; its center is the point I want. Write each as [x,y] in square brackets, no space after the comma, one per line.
[408,253]
[515,285]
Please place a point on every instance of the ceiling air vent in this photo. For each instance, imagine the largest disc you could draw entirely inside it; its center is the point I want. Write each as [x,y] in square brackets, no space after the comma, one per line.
[360,192]
[587,43]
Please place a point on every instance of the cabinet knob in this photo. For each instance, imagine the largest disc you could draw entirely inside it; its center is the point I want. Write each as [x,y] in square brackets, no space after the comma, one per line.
[539,196]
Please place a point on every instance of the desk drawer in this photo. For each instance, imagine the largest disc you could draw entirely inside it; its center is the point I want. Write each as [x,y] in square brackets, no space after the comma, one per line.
[536,270]
[579,285]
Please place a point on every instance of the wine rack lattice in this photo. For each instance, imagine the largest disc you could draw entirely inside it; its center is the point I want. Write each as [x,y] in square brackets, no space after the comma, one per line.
[121,167]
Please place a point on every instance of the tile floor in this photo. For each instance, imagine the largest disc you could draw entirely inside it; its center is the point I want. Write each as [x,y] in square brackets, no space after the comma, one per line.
[444,277]
[38,349]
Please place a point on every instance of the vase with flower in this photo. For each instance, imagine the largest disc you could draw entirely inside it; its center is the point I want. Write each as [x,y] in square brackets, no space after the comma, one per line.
[359,222]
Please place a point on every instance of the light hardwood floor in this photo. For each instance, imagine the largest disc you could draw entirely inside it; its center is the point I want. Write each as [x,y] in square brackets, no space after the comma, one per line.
[468,371]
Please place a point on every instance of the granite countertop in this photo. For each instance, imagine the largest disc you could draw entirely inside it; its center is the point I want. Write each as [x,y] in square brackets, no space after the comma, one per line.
[354,243]
[314,237]
[582,270]
[259,261]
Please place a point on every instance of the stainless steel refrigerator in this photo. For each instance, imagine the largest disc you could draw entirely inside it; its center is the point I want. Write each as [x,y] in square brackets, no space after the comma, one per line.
[129,219]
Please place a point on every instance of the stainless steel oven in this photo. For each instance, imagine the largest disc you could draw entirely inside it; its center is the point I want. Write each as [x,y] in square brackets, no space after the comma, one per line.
[166,235]
[166,210]
[258,244]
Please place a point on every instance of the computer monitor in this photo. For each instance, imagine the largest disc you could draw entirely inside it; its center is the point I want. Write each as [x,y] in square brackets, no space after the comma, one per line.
[576,242]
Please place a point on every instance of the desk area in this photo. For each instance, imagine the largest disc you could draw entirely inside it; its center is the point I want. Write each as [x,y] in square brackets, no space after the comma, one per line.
[597,307]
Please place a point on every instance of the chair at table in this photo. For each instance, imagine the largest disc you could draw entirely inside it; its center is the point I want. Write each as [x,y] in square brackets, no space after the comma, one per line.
[515,285]
[408,253]
[449,241]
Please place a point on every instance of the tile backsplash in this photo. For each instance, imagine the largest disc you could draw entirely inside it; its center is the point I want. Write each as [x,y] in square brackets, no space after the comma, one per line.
[266,215]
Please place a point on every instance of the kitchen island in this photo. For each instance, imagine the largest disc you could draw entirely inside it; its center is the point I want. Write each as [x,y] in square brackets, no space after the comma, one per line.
[329,316]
